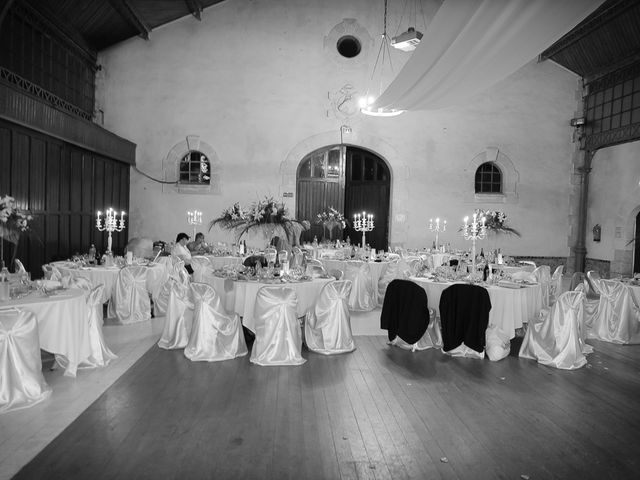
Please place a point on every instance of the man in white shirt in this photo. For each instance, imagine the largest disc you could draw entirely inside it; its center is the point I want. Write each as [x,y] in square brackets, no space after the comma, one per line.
[181,251]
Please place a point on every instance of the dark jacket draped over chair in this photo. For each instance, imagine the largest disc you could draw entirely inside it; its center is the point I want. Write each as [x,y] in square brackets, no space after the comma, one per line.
[464,312]
[405,311]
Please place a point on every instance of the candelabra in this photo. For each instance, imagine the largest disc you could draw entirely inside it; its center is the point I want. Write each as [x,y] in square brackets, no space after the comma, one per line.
[476,230]
[110,223]
[194,218]
[437,227]
[363,223]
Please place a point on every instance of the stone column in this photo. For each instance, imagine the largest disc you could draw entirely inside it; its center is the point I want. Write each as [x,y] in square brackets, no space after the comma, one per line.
[579,202]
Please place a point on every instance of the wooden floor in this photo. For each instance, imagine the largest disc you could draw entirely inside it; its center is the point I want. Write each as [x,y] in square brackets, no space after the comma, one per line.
[379,412]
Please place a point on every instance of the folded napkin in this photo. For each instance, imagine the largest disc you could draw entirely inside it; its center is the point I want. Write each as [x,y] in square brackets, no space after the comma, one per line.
[524,276]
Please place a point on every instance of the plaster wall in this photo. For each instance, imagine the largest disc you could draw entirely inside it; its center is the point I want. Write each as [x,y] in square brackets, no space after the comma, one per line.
[614,202]
[256,81]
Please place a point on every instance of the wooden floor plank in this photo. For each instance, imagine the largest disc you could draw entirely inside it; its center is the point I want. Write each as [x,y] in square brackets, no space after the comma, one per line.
[377,413]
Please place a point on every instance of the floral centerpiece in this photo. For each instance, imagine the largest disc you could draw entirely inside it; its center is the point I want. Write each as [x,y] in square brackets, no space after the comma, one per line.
[266,215]
[495,221]
[13,222]
[330,219]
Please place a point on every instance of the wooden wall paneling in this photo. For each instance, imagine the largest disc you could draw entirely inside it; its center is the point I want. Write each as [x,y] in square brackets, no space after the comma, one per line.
[87,201]
[52,237]
[98,200]
[37,180]
[125,172]
[5,161]
[75,187]
[107,199]
[20,169]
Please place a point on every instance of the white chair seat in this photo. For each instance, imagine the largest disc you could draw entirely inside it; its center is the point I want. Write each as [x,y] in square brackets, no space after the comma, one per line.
[328,326]
[278,334]
[22,384]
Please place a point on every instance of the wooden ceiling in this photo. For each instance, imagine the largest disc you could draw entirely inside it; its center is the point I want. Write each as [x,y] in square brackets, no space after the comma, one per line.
[99,24]
[607,40]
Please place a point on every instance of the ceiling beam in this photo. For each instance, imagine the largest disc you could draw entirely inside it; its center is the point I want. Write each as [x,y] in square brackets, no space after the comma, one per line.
[131,15]
[195,8]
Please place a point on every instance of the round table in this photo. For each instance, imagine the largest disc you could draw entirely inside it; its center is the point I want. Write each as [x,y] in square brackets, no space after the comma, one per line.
[510,307]
[218,263]
[63,327]
[240,296]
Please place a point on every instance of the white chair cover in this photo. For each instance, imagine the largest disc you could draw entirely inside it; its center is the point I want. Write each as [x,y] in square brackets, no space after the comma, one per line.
[543,277]
[555,288]
[200,264]
[616,318]
[362,296]
[21,381]
[432,338]
[497,343]
[593,279]
[327,328]
[100,355]
[129,302]
[178,322]
[19,266]
[82,283]
[216,335]
[283,255]
[392,272]
[557,338]
[47,270]
[278,334]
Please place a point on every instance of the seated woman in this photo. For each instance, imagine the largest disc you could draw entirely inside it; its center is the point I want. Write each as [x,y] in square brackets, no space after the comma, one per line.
[181,251]
[198,246]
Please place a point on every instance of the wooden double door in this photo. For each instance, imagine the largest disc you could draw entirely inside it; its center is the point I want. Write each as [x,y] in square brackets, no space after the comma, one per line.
[351,180]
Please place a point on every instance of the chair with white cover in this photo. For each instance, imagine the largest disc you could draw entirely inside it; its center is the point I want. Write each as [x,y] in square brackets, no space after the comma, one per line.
[528,263]
[593,279]
[406,316]
[556,339]
[327,329]
[391,273]
[362,298]
[129,302]
[315,271]
[617,317]
[22,384]
[19,266]
[497,343]
[79,282]
[315,261]
[200,264]
[178,274]
[100,355]
[283,255]
[555,288]
[178,313]
[278,334]
[216,335]
[543,277]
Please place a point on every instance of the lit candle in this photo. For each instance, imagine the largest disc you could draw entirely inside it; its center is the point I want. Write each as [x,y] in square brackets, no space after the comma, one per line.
[483,220]
[466,220]
[437,222]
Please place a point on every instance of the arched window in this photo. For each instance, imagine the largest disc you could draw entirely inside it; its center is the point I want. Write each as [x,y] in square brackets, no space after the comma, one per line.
[194,169]
[488,178]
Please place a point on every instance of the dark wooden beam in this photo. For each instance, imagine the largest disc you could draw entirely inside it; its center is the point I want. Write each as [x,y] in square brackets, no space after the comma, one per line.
[5,5]
[131,15]
[195,8]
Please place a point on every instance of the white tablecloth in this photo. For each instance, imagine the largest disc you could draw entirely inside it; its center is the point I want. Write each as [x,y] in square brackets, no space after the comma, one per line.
[240,296]
[377,270]
[510,307]
[157,274]
[63,325]
[219,262]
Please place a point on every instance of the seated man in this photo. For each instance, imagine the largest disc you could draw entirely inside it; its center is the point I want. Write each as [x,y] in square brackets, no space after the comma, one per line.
[181,251]
[198,246]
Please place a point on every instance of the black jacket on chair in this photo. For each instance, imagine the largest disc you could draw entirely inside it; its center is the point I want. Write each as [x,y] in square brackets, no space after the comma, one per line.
[464,312]
[405,311]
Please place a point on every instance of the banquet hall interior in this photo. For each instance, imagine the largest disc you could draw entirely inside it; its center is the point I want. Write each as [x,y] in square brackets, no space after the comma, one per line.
[493,144]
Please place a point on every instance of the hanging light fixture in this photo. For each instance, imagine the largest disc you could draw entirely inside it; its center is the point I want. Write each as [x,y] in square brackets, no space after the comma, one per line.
[377,76]
[409,40]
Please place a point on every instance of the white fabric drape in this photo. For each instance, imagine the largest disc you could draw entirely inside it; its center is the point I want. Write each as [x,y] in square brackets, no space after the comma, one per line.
[328,326]
[471,45]
[21,381]
[179,317]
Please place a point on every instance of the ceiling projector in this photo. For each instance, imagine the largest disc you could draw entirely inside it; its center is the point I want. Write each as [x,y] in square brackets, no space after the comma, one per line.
[407,41]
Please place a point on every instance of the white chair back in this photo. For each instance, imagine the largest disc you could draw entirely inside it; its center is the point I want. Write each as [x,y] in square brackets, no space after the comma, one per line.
[543,276]
[200,265]
[101,355]
[362,296]
[22,384]
[130,299]
[216,335]
[178,311]
[557,338]
[555,288]
[617,317]
[278,334]
[19,266]
[328,325]
[82,283]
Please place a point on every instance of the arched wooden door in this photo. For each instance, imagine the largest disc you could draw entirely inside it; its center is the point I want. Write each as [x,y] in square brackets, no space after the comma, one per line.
[349,179]
[367,188]
[636,253]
